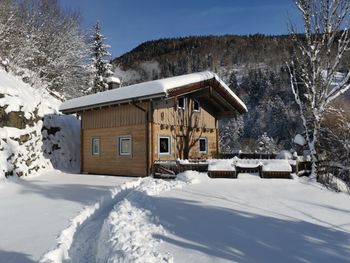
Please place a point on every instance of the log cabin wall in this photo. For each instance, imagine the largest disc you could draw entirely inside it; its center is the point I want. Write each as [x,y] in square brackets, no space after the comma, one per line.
[166,112]
[108,124]
[167,120]
[175,137]
[116,116]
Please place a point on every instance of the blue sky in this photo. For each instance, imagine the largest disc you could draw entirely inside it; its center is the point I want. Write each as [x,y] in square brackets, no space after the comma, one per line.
[128,23]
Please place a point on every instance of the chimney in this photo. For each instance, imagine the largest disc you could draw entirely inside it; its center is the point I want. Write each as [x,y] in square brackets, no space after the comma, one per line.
[113,83]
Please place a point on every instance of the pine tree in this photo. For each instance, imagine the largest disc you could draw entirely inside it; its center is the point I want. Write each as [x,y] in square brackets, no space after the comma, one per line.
[102,69]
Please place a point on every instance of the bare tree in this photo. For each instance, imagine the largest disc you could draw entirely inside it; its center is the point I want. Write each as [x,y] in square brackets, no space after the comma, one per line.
[186,132]
[316,76]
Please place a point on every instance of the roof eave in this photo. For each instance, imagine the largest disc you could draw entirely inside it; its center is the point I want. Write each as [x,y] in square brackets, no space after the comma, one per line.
[111,103]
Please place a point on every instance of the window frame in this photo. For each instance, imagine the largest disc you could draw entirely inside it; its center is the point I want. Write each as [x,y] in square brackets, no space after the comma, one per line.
[120,139]
[169,145]
[199,105]
[98,139]
[206,145]
[184,103]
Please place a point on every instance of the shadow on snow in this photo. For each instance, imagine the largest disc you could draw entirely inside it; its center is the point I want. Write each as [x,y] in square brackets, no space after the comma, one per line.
[81,193]
[245,237]
[14,257]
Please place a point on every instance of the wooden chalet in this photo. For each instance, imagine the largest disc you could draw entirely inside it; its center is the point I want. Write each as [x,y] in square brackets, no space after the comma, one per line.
[125,130]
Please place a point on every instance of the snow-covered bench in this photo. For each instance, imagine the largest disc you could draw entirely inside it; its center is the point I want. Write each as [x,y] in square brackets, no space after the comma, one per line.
[221,169]
[276,169]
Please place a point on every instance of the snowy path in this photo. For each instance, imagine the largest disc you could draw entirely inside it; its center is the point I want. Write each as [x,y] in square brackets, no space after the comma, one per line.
[117,229]
[34,211]
[84,246]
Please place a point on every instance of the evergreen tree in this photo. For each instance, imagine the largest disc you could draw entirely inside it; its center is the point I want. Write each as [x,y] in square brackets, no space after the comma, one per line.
[102,69]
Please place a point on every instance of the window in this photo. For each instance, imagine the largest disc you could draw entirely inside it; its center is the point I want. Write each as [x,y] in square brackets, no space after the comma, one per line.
[203,145]
[125,145]
[164,145]
[196,105]
[95,149]
[181,103]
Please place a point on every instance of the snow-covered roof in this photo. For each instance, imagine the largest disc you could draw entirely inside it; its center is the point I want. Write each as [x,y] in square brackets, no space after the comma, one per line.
[146,90]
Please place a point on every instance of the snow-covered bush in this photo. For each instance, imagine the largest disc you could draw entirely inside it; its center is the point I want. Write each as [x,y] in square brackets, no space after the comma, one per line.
[267,144]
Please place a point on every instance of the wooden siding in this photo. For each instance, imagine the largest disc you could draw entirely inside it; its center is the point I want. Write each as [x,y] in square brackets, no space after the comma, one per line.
[116,116]
[210,134]
[165,112]
[109,161]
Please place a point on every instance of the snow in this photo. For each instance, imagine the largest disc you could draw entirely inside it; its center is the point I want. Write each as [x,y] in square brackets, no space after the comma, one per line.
[38,151]
[17,94]
[65,140]
[336,183]
[113,80]
[234,220]
[276,166]
[190,219]
[221,165]
[155,88]
[34,210]
[127,233]
[300,140]
[24,157]
[247,163]
[198,219]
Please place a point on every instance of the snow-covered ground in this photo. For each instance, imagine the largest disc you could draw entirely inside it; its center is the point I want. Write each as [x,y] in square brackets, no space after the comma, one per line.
[198,219]
[34,210]
[254,220]
[83,218]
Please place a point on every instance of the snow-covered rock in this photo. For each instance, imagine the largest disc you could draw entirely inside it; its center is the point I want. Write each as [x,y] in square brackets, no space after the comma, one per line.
[23,115]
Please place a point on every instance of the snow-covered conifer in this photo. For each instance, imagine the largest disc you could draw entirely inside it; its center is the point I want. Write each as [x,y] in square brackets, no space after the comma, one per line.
[101,67]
